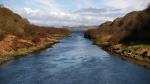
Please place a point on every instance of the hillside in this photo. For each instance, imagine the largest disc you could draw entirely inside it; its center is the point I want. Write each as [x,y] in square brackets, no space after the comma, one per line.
[127,36]
[18,37]
[81,28]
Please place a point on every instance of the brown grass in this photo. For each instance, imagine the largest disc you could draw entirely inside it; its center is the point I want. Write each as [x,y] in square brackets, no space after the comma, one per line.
[133,27]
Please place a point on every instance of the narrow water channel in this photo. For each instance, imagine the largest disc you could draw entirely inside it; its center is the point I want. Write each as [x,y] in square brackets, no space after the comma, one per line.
[72,61]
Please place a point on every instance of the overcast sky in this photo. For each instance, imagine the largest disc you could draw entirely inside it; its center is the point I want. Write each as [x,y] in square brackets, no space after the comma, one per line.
[73,12]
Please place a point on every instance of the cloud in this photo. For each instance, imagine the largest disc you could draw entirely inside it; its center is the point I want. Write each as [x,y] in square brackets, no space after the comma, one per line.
[47,18]
[128,4]
[101,12]
[86,12]
[96,10]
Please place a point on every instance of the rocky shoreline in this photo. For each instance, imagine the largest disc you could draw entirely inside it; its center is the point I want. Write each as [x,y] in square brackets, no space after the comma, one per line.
[126,36]
[137,55]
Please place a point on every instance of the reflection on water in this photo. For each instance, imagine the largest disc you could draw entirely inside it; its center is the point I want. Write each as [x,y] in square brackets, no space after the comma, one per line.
[72,61]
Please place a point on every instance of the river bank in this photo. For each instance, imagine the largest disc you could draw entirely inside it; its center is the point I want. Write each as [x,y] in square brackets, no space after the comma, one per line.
[24,47]
[75,60]
[127,36]
[19,37]
[139,54]
[135,53]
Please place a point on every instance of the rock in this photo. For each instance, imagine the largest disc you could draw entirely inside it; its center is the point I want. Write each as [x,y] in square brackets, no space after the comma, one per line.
[144,54]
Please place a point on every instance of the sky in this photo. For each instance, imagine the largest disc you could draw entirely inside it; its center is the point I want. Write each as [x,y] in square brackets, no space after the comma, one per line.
[73,12]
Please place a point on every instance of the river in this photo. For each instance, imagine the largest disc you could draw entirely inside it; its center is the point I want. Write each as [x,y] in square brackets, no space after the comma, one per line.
[75,60]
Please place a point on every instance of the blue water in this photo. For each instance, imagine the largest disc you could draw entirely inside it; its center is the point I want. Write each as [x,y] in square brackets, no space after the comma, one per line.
[72,61]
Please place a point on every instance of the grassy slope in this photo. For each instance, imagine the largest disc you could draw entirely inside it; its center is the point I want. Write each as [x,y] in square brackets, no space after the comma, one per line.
[18,37]
[127,36]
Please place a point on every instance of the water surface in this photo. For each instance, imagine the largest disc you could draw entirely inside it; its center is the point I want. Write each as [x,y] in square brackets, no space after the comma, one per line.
[72,61]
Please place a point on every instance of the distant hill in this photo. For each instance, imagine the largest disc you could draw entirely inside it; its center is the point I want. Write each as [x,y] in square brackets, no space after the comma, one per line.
[81,28]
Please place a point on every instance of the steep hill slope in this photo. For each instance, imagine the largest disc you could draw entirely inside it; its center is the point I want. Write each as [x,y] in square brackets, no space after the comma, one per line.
[11,23]
[19,37]
[127,36]
[135,26]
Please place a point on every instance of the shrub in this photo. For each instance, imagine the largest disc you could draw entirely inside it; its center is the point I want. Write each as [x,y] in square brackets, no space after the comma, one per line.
[2,35]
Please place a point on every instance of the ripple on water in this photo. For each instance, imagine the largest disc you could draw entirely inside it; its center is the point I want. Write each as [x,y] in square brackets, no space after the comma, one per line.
[72,61]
